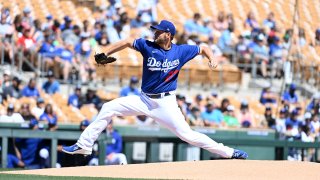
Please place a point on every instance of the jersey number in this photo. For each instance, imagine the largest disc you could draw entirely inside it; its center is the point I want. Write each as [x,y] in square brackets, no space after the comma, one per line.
[171,74]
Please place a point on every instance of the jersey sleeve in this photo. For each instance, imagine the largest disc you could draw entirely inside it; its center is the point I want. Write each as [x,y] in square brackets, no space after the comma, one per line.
[189,52]
[138,44]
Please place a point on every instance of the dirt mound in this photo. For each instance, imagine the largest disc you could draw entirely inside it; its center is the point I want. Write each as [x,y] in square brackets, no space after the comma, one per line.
[218,169]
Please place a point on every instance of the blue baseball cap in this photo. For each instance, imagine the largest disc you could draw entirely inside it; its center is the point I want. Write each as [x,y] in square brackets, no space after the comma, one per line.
[85,123]
[166,26]
[293,86]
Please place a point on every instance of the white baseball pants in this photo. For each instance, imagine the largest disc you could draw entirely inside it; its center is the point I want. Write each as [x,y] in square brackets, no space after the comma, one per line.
[164,110]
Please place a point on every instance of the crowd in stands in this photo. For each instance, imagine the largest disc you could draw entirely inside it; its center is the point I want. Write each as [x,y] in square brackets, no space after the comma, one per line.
[66,48]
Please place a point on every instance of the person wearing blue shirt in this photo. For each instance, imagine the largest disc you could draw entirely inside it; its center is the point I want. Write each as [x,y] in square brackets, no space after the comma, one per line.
[276,57]
[114,149]
[66,58]
[267,96]
[192,26]
[314,105]
[270,22]
[14,162]
[289,96]
[212,116]
[29,148]
[75,99]
[225,41]
[49,117]
[260,53]
[30,90]
[162,61]
[51,86]
[131,89]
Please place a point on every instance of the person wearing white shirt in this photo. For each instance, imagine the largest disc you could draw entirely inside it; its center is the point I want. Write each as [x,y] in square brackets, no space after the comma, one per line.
[11,116]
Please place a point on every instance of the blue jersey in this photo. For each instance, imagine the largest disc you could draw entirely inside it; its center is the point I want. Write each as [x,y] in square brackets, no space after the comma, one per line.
[161,67]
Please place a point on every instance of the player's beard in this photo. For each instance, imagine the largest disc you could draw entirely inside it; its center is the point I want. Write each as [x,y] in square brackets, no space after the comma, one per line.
[160,40]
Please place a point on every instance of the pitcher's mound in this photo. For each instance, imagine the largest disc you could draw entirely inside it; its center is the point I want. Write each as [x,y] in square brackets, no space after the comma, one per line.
[218,169]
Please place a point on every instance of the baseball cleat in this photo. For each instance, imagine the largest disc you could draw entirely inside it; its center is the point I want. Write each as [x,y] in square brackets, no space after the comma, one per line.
[75,149]
[238,154]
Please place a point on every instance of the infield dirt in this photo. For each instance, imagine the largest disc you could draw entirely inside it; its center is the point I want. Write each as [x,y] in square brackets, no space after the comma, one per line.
[217,169]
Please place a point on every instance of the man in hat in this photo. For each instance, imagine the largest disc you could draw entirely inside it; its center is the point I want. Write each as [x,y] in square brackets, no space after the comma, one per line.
[162,63]
[51,86]
[11,116]
[132,88]
[75,99]
[13,90]
[92,97]
[290,96]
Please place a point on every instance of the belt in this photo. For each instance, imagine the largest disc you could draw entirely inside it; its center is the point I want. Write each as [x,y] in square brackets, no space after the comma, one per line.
[160,95]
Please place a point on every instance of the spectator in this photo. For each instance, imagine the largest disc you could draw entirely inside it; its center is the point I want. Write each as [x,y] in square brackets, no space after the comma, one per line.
[6,79]
[26,18]
[314,105]
[194,117]
[251,22]
[144,120]
[71,36]
[11,116]
[243,52]
[38,34]
[137,22]
[49,23]
[13,90]
[315,125]
[132,88]
[199,103]
[260,53]
[225,42]
[83,51]
[193,25]
[67,24]
[229,118]
[245,116]
[49,117]
[293,125]
[277,58]
[224,105]
[302,37]
[38,110]
[114,149]
[14,162]
[290,96]
[281,124]
[30,149]
[270,21]
[84,124]
[30,90]
[5,12]
[221,23]
[51,86]
[269,121]
[212,116]
[65,58]
[75,99]
[6,36]
[103,40]
[92,98]
[28,45]
[147,9]
[47,51]
[267,96]
[26,112]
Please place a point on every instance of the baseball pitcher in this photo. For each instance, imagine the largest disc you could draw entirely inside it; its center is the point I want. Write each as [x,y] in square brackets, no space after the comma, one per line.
[162,61]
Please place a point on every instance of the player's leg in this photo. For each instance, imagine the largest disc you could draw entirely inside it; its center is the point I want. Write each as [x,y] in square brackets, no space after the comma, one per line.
[124,106]
[171,117]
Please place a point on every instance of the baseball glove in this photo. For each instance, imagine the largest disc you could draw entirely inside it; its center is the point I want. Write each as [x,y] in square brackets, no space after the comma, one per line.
[103,59]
